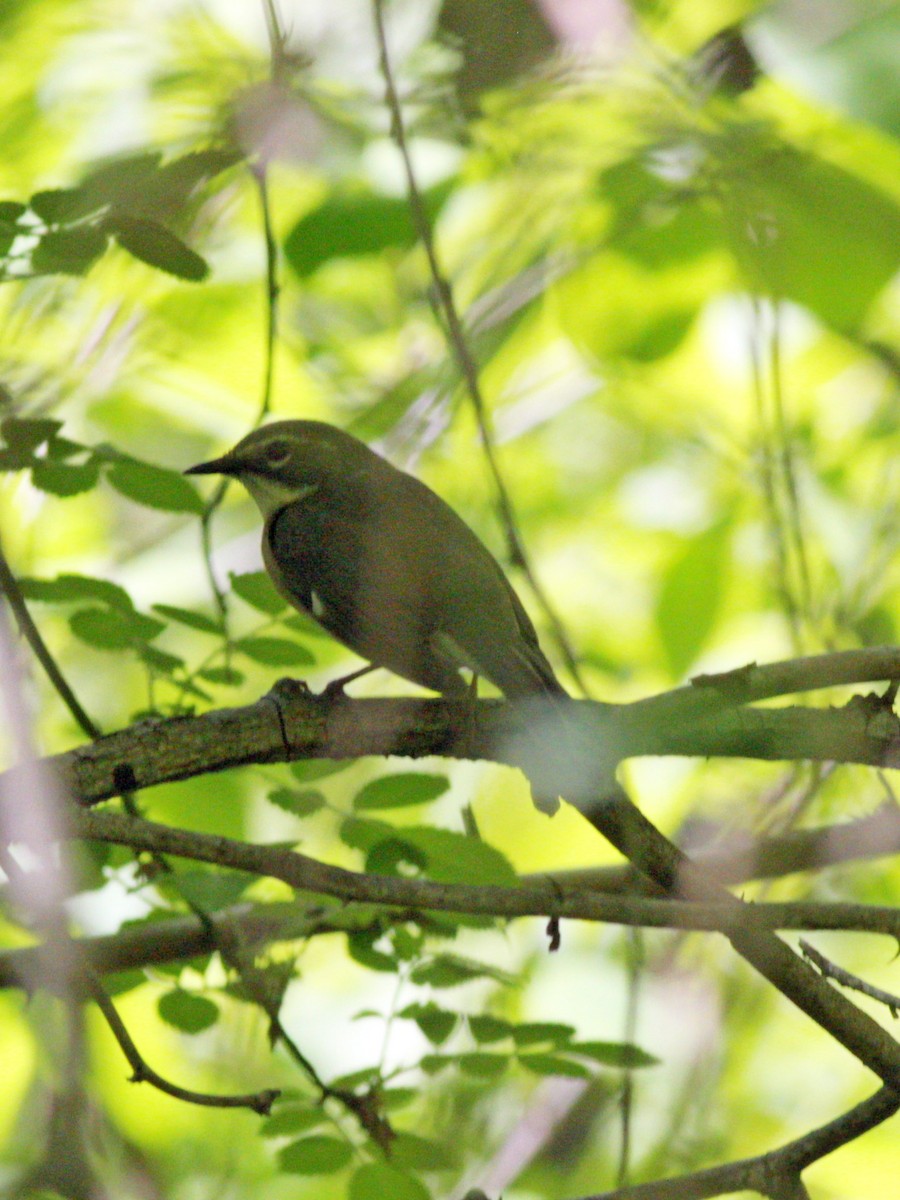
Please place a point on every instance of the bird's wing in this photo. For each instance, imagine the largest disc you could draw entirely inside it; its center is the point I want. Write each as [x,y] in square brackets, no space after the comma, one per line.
[365,580]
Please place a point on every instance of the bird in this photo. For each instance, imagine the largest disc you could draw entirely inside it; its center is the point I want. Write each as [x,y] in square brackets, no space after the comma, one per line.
[383,564]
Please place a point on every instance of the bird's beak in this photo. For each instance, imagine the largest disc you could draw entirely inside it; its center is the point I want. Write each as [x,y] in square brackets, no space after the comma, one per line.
[216,466]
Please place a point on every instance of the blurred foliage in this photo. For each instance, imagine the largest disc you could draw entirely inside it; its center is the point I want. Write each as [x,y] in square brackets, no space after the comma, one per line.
[677,271]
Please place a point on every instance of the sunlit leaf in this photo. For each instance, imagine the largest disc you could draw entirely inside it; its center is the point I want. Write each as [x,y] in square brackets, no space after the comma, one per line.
[187,1012]
[155,487]
[275,652]
[380,1180]
[316,1155]
[256,589]
[400,790]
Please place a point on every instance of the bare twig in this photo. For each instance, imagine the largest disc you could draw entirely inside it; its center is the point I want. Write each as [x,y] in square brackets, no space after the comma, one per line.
[260,1102]
[831,970]
[9,588]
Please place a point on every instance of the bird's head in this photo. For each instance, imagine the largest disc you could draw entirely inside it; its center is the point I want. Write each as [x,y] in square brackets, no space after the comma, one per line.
[288,460]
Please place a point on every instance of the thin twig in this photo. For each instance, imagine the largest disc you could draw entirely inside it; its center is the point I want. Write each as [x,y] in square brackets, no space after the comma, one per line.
[831,970]
[9,587]
[457,340]
[767,1173]
[260,1102]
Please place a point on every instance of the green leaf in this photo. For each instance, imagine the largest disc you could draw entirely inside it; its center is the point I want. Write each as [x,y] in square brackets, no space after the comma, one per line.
[553,1064]
[400,790]
[27,433]
[187,1012]
[63,479]
[489,1029]
[256,589]
[154,487]
[291,1119]
[308,626]
[354,222]
[316,1155]
[121,982]
[690,597]
[530,1033]
[69,251]
[156,246]
[191,618]
[449,970]
[422,1154]
[384,1181]
[68,589]
[10,211]
[613,1054]
[317,768]
[395,856]
[165,663]
[300,803]
[816,234]
[481,1065]
[212,890]
[436,1023]
[275,652]
[361,947]
[362,833]
[15,460]
[445,856]
[60,205]
[226,676]
[112,628]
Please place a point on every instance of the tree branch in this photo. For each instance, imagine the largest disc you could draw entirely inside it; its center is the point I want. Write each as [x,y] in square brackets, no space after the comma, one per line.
[767,1173]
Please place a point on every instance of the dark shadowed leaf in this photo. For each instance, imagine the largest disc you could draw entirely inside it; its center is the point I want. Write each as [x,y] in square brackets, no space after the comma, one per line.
[436,1023]
[27,433]
[62,204]
[69,589]
[63,479]
[67,251]
[157,246]
[191,618]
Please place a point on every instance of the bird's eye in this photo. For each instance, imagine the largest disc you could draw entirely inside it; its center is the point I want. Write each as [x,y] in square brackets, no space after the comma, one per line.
[277,452]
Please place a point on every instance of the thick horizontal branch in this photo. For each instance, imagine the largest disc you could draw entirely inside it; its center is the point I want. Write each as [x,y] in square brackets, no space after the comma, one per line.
[570,749]
[256,926]
[542,898]
[738,857]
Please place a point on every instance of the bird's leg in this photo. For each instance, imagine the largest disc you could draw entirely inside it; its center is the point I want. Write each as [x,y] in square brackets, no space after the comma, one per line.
[468,706]
[336,687]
